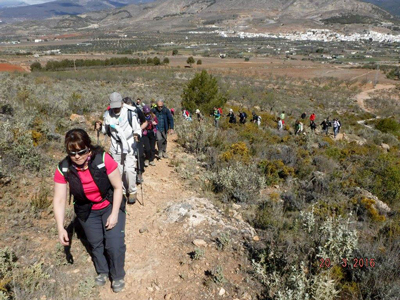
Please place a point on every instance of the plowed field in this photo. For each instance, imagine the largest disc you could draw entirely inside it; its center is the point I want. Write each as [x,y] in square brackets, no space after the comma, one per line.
[9,67]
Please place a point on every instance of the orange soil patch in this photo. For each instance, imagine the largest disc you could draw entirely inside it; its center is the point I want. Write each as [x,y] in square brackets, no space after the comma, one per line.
[10,68]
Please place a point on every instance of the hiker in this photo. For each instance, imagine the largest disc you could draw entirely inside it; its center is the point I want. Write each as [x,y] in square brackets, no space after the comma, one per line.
[256,119]
[139,103]
[199,115]
[313,126]
[339,125]
[297,128]
[124,132]
[282,116]
[232,117]
[335,127]
[280,124]
[139,153]
[217,116]
[149,136]
[186,115]
[303,115]
[325,126]
[165,125]
[242,117]
[95,182]
[312,117]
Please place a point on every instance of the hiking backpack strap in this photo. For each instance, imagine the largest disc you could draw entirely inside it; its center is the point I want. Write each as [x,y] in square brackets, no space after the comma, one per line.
[63,168]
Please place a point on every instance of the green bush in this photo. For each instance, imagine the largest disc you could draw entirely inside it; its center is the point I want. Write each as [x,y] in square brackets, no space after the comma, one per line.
[36,66]
[202,92]
[388,126]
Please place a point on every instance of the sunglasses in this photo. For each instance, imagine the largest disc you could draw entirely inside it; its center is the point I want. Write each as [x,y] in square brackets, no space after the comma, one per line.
[80,152]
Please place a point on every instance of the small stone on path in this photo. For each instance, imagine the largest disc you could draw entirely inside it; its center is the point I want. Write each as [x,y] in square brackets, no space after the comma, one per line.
[200,243]
[221,292]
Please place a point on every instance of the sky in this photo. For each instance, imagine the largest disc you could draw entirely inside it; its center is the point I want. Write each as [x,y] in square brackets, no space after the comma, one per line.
[26,1]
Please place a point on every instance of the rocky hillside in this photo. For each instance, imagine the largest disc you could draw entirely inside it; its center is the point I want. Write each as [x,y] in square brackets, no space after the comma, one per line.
[59,8]
[172,15]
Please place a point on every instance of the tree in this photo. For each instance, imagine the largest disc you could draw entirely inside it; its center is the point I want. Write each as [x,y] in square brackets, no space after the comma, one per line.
[36,66]
[199,62]
[175,52]
[202,92]
[156,61]
[166,61]
[190,61]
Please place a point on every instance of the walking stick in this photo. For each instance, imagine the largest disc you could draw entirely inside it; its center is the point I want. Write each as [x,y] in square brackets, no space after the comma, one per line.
[141,184]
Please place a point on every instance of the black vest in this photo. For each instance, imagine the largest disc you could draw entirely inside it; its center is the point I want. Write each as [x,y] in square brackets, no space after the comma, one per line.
[97,168]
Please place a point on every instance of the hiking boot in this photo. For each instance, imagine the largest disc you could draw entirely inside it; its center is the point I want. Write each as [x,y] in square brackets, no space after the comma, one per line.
[165,155]
[160,154]
[118,285]
[146,163]
[101,279]
[152,163]
[139,179]
[132,198]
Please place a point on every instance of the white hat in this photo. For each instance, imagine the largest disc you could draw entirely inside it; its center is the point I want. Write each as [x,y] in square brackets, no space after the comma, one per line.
[197,111]
[115,100]
[231,110]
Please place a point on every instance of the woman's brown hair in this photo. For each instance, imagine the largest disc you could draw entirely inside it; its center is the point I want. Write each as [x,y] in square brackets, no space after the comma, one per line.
[77,139]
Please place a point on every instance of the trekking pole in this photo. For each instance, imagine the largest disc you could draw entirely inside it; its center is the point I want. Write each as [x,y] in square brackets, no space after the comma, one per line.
[141,184]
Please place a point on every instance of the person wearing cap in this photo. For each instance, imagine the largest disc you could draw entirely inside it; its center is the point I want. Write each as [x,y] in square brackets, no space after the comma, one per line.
[149,136]
[133,107]
[199,115]
[165,125]
[232,117]
[124,132]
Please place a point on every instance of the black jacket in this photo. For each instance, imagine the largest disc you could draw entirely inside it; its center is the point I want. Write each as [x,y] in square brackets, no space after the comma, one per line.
[97,168]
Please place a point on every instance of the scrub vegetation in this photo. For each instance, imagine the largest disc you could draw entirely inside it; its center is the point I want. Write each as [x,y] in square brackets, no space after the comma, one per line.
[326,210]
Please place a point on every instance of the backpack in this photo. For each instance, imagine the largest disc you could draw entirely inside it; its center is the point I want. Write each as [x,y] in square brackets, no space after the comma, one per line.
[130,118]
[220,110]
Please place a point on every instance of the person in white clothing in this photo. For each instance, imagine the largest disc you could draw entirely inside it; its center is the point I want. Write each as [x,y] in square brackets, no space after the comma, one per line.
[121,124]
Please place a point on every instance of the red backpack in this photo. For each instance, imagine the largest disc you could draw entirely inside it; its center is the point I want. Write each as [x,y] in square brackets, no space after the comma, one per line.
[220,110]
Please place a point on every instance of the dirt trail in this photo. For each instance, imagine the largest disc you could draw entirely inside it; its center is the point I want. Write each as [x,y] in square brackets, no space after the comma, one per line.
[160,234]
[149,256]
[365,95]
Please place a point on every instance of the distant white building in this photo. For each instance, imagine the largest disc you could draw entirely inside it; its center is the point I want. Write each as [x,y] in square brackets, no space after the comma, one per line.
[38,40]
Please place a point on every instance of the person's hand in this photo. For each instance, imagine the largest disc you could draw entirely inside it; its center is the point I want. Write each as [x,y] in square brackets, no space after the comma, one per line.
[112,220]
[63,237]
[171,131]
[98,125]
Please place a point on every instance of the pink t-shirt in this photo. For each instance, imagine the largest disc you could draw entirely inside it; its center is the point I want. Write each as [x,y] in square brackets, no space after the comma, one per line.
[90,188]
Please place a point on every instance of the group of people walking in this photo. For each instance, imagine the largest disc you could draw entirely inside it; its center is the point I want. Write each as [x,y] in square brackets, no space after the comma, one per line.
[101,183]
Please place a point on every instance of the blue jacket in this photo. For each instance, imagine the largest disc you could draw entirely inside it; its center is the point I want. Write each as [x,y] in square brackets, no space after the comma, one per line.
[166,117]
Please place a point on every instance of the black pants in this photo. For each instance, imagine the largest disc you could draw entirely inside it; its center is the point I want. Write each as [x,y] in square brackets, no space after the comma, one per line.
[107,246]
[140,158]
[149,142]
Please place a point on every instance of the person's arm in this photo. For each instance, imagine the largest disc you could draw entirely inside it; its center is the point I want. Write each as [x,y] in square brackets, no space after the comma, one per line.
[59,202]
[116,182]
[170,120]
[142,119]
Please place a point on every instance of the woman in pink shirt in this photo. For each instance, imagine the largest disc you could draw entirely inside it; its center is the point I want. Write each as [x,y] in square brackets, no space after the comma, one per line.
[95,183]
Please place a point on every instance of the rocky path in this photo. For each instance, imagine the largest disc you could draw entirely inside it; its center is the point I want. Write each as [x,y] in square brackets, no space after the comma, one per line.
[161,233]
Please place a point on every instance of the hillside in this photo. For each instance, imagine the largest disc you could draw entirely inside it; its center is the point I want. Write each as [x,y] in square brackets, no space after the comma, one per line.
[257,15]
[60,8]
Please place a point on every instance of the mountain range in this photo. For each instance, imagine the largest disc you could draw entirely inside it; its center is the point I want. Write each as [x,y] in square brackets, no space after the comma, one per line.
[175,15]
[14,11]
